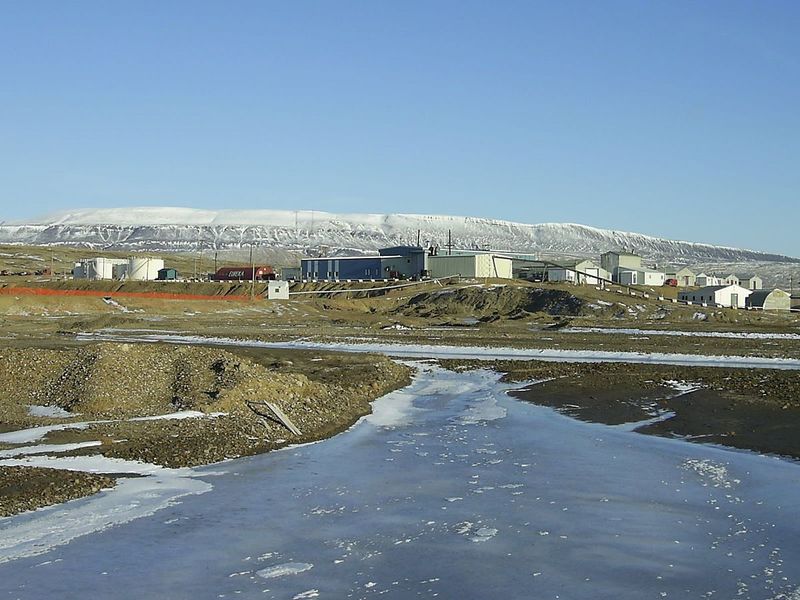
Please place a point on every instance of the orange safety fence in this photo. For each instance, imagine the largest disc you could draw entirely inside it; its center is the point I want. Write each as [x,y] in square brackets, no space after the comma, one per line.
[30,291]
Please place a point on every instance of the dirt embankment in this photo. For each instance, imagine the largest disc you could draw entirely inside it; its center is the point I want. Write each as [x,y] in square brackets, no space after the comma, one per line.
[322,394]
[754,409]
[493,302]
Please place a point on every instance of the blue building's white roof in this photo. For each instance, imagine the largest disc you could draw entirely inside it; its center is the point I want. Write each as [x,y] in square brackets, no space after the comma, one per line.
[354,257]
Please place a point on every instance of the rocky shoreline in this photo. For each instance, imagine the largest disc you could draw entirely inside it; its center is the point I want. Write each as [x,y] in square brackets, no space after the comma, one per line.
[29,488]
[102,392]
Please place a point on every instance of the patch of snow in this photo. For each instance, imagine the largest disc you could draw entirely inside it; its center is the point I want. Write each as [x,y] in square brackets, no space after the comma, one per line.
[682,387]
[35,410]
[32,434]
[716,474]
[290,568]
[184,414]
[46,449]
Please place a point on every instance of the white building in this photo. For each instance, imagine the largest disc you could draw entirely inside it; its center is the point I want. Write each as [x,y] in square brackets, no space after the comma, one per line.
[97,268]
[142,269]
[577,272]
[641,277]
[470,265]
[731,296]
[704,280]
[134,268]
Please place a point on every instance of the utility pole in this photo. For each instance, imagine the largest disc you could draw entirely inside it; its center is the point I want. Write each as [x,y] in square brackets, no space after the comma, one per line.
[196,247]
[252,273]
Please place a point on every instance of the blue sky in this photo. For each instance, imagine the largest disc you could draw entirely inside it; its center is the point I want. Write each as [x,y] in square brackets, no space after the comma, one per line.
[677,119]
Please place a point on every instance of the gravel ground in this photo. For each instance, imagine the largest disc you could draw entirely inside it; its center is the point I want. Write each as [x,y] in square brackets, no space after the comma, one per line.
[322,393]
[28,488]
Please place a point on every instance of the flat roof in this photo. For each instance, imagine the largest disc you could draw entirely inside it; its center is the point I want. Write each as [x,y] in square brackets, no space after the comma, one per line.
[472,255]
[371,257]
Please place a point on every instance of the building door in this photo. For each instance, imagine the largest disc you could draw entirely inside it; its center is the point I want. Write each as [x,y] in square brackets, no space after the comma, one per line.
[735,300]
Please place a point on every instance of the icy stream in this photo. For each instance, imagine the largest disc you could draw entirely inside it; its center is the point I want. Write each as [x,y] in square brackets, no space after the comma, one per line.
[451,489]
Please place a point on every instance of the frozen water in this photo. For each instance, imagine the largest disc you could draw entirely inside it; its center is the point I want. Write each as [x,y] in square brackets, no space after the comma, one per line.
[470,352]
[528,504]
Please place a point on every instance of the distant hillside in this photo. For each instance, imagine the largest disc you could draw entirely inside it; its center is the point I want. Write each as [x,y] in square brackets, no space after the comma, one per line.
[309,232]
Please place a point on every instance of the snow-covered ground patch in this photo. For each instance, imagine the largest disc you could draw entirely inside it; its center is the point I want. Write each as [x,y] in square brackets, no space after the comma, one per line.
[33,434]
[682,387]
[46,449]
[57,412]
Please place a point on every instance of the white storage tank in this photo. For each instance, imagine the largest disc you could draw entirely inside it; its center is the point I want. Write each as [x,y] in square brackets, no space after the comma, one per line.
[144,269]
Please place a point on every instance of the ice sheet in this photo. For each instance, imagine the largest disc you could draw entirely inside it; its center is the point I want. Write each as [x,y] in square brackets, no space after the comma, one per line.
[532,504]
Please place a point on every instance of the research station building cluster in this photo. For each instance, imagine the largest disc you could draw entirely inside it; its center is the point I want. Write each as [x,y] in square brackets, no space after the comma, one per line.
[406,262]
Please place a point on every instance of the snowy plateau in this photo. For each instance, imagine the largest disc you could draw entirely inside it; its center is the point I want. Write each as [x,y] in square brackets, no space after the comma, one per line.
[311,233]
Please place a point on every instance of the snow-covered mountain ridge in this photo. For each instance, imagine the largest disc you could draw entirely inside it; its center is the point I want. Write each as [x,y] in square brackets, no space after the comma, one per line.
[311,232]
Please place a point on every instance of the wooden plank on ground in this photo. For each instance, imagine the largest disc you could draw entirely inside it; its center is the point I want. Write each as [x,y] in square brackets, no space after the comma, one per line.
[287,422]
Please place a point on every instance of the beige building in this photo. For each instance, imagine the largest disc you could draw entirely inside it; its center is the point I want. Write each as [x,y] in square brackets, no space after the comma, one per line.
[470,265]
[751,282]
[685,276]
[613,262]
[770,300]
[730,279]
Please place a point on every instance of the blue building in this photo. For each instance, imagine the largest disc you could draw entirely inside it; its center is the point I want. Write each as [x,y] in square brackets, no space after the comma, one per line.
[349,267]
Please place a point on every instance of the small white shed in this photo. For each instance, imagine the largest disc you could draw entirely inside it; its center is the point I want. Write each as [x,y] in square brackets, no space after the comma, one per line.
[278,290]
